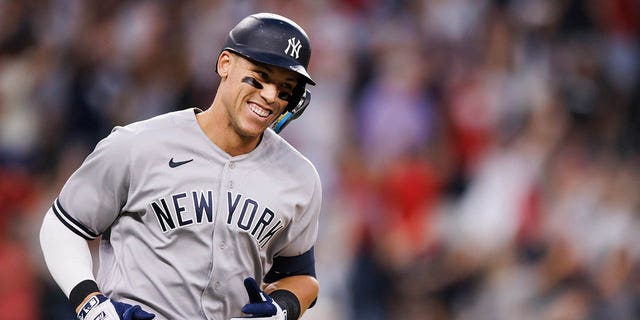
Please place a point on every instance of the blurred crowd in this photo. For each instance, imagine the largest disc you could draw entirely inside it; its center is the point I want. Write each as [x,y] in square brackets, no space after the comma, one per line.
[480,158]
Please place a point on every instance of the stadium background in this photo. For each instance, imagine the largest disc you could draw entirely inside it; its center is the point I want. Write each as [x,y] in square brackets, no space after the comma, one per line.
[480,158]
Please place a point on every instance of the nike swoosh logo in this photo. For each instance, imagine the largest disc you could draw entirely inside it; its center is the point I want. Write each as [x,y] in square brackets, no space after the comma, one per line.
[174,164]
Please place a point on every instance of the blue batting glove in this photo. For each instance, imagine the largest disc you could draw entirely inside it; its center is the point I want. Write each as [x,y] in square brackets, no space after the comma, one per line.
[260,305]
[103,308]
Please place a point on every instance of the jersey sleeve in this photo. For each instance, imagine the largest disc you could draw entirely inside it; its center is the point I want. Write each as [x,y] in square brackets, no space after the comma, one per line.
[92,198]
[303,231]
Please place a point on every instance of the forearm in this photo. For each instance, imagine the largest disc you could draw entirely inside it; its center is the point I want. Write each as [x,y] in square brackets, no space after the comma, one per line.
[66,254]
[305,288]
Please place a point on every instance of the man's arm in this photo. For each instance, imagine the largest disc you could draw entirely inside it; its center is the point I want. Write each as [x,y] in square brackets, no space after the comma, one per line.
[305,288]
[66,254]
[286,299]
[68,259]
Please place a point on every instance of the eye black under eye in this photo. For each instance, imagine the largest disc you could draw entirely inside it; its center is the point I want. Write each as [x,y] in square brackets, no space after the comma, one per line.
[252,82]
[256,84]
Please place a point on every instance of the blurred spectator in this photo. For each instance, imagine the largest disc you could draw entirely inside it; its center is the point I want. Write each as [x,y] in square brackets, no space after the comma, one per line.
[18,277]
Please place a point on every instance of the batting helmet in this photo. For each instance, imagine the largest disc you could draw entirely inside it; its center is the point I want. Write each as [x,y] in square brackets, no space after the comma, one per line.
[275,40]
[272,39]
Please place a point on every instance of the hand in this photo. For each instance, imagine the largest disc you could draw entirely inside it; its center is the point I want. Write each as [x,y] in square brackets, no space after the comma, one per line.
[103,308]
[260,305]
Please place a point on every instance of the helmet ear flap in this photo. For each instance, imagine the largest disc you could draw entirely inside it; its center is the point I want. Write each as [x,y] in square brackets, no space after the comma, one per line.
[299,102]
[299,92]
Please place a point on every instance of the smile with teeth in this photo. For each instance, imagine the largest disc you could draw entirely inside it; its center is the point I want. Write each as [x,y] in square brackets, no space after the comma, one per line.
[259,111]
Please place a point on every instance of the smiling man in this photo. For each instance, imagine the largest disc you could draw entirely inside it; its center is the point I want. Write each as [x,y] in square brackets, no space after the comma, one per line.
[251,96]
[200,214]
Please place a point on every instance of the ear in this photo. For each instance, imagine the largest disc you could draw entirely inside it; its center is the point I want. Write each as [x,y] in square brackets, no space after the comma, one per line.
[224,64]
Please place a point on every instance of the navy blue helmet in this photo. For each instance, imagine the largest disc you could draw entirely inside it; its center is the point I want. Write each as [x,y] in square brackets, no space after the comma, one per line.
[275,40]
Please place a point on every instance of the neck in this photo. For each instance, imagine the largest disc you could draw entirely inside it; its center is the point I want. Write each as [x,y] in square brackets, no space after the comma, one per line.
[221,132]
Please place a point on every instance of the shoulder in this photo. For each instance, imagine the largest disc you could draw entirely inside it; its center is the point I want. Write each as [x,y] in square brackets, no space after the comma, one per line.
[153,128]
[285,156]
[282,150]
[161,122]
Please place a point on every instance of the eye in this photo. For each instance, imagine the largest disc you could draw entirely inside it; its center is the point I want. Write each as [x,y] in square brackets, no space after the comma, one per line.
[284,96]
[262,75]
[286,91]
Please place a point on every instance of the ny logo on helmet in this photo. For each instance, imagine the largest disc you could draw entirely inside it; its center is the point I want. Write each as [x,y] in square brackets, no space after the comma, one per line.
[294,45]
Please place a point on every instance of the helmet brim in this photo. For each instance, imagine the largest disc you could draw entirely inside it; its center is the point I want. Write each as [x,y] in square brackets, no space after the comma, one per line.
[274,60]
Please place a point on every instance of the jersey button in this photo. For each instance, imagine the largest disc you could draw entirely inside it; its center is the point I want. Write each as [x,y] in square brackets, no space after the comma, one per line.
[232,165]
[230,184]
[222,245]
[216,286]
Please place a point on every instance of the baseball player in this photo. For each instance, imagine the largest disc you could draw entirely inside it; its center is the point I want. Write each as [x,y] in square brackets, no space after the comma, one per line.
[201,214]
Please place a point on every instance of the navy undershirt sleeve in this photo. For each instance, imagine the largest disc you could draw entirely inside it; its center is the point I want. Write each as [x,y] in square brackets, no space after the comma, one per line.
[303,264]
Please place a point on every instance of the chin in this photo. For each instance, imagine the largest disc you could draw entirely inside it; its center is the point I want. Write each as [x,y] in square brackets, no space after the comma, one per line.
[254,126]
[252,131]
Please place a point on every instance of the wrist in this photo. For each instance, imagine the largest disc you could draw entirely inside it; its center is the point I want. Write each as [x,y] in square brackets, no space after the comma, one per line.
[288,301]
[82,292]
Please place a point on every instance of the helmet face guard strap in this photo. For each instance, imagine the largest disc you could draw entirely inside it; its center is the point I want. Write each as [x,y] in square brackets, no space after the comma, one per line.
[275,40]
[294,109]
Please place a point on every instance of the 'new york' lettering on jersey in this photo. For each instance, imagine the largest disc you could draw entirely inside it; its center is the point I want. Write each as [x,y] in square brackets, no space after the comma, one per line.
[170,223]
[198,208]
[245,214]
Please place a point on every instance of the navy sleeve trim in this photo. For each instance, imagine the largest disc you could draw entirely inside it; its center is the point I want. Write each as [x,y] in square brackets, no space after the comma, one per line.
[303,264]
[71,223]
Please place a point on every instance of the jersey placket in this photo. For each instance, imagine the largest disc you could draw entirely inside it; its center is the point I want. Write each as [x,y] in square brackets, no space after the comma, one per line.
[216,285]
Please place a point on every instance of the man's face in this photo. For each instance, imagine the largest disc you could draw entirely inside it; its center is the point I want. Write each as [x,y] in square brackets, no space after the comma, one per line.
[256,94]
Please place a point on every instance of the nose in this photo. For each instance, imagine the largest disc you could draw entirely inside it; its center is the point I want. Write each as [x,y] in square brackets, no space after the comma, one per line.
[269,93]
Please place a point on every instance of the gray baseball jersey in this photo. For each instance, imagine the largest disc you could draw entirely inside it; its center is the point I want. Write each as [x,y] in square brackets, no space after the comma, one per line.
[182,222]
